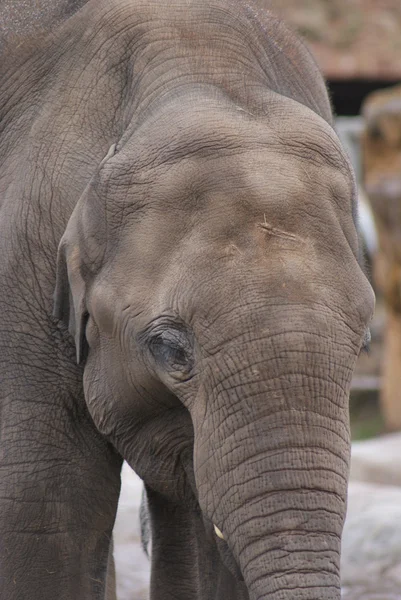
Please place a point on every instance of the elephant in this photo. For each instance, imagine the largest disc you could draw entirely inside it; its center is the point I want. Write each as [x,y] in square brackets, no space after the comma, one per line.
[181,287]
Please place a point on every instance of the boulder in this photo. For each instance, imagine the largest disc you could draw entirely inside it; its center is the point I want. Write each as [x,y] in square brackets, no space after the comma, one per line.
[377,460]
[132,564]
[371,551]
[371,548]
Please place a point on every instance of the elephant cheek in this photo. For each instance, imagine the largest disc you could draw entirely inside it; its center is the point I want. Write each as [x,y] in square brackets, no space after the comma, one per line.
[108,398]
[99,400]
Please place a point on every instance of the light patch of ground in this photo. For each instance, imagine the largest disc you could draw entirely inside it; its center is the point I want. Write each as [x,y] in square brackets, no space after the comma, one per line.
[371,553]
[132,565]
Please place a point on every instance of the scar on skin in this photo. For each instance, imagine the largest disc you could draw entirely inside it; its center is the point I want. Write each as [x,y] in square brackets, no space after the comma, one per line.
[233,249]
[278,232]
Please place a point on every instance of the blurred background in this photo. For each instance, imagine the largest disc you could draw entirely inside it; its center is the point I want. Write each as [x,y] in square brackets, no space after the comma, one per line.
[357,44]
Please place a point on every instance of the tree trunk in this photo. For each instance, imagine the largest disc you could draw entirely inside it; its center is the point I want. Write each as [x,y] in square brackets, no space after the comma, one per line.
[390,397]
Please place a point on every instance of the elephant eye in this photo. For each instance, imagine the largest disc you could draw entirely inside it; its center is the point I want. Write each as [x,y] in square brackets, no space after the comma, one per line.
[171,350]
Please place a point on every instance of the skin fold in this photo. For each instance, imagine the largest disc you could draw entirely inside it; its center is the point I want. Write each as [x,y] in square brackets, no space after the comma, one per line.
[180,289]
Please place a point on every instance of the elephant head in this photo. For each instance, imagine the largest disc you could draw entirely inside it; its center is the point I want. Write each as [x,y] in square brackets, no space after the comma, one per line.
[210,277]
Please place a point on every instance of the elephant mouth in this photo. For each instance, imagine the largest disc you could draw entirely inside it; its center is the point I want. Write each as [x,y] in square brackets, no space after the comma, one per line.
[218,532]
[227,557]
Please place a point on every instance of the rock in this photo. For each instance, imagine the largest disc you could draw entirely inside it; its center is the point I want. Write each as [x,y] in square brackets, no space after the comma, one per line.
[377,460]
[371,548]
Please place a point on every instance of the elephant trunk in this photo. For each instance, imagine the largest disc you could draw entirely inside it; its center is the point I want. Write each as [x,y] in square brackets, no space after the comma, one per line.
[271,463]
[284,526]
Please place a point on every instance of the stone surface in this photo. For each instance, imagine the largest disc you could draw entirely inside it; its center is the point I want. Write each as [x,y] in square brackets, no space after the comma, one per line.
[132,565]
[371,549]
[377,460]
[371,554]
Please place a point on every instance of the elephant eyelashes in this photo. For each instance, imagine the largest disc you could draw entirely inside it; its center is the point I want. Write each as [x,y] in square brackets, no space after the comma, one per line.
[171,350]
[168,351]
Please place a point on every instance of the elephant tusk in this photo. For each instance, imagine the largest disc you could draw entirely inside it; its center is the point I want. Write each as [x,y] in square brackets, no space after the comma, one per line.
[218,532]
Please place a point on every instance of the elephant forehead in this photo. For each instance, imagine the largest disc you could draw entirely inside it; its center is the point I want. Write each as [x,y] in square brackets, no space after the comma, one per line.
[184,158]
[202,122]
[171,261]
[249,206]
[227,197]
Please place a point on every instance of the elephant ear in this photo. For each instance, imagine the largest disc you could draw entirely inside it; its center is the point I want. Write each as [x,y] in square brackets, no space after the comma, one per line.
[69,295]
[80,246]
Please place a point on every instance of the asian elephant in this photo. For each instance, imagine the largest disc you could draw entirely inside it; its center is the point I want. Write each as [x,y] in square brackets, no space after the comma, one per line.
[180,288]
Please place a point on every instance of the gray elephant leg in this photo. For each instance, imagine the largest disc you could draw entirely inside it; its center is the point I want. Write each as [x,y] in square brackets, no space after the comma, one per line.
[185,560]
[59,479]
[111,574]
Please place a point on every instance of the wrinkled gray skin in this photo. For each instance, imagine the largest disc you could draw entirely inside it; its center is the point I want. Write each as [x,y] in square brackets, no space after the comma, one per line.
[181,158]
